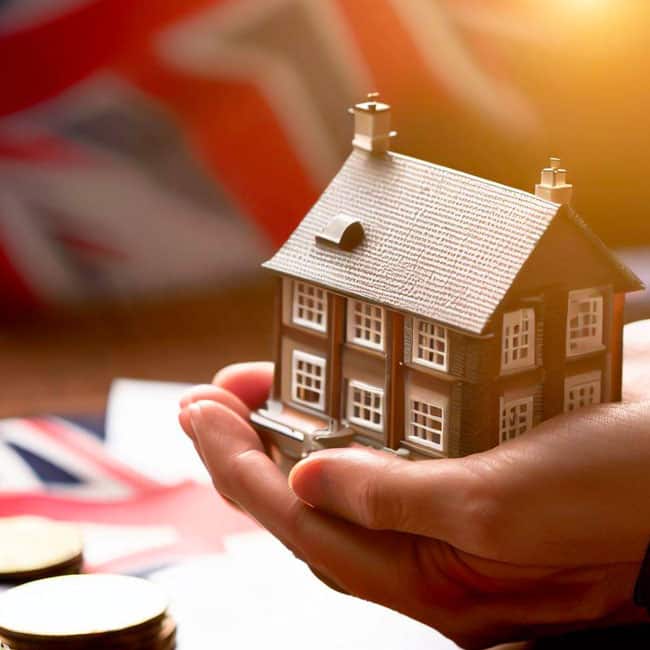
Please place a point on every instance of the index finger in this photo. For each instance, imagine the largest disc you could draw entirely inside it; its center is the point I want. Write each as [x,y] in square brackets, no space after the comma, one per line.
[357,559]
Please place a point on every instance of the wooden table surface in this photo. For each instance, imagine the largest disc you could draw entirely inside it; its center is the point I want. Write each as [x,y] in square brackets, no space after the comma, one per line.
[64,361]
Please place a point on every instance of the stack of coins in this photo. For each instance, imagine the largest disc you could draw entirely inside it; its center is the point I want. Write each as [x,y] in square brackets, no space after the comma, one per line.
[32,548]
[79,612]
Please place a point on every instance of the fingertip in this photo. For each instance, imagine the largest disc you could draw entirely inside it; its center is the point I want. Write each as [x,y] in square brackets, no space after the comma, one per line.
[309,479]
[209,394]
[234,370]
[339,481]
[204,412]
[194,411]
[304,479]
[250,382]
[190,394]
[185,422]
[222,438]
[213,420]
[324,460]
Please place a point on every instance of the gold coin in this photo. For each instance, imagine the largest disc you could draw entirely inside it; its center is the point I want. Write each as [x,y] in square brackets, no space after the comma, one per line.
[30,544]
[79,605]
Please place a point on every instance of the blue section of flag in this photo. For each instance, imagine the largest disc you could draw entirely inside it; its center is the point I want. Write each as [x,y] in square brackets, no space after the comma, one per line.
[46,470]
[94,424]
[68,455]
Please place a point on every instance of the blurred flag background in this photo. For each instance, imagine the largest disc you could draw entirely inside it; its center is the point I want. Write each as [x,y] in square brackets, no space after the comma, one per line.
[150,146]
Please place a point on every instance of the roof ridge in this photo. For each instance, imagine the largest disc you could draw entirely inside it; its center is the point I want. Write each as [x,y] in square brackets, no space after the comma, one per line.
[458,172]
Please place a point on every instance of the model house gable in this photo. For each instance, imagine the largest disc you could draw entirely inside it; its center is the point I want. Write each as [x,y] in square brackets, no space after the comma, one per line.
[569,255]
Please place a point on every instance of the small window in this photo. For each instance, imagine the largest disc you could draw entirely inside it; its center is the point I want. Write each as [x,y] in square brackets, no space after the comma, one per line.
[426,424]
[308,380]
[365,405]
[309,306]
[582,390]
[365,324]
[518,343]
[516,418]
[430,344]
[584,322]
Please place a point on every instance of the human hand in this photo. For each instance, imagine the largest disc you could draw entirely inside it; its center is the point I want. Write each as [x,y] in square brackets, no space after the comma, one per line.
[539,535]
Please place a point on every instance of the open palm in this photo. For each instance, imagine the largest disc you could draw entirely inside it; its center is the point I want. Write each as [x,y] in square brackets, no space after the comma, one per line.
[542,534]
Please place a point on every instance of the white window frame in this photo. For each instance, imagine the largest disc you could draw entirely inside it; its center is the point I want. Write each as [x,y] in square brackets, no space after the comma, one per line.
[591,382]
[512,342]
[580,320]
[374,391]
[435,335]
[319,308]
[427,400]
[320,362]
[506,405]
[377,316]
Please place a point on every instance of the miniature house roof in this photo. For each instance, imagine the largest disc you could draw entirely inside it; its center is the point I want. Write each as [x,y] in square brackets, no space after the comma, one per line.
[437,243]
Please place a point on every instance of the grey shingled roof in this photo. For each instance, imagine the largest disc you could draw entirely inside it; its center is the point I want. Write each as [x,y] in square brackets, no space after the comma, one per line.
[438,243]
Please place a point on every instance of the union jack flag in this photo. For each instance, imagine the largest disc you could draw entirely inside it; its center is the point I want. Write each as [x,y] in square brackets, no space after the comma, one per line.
[149,146]
[57,469]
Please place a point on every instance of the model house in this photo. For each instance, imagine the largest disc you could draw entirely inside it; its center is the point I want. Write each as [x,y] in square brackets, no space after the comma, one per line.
[433,313]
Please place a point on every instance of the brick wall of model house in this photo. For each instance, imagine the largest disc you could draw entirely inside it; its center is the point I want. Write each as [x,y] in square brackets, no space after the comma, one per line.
[545,384]
[463,390]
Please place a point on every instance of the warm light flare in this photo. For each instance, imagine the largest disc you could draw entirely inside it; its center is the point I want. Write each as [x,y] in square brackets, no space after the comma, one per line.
[586,8]
[603,28]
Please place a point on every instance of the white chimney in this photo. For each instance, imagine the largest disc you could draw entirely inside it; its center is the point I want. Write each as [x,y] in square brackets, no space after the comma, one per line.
[553,185]
[372,125]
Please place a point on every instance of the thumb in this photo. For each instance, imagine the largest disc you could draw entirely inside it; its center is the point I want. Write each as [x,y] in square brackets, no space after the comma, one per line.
[380,491]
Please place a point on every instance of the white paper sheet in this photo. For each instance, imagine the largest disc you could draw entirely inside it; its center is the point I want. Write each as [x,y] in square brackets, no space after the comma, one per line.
[142,431]
[257,595]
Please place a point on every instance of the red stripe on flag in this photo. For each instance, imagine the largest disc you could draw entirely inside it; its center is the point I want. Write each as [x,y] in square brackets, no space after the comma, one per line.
[395,61]
[201,519]
[234,130]
[90,450]
[39,62]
